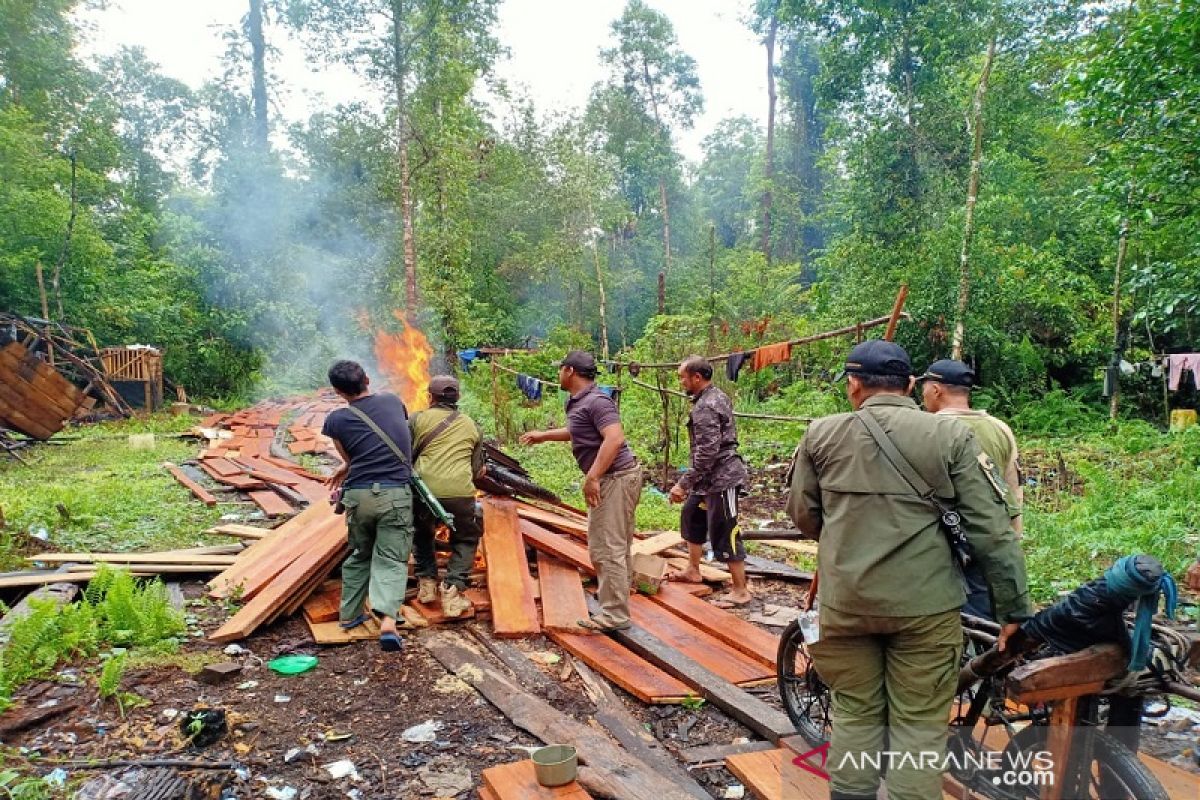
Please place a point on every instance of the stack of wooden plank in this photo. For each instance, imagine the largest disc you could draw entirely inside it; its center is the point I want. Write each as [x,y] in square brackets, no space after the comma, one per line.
[721,642]
[81,567]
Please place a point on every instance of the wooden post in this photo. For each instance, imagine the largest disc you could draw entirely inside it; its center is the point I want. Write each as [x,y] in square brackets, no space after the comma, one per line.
[1059,740]
[897,310]
[45,308]
[496,399]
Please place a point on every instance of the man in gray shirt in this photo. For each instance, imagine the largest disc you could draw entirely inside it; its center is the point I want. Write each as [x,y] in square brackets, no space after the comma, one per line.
[612,484]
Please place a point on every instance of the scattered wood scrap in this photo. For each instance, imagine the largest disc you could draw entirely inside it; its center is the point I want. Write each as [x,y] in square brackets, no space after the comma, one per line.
[518,781]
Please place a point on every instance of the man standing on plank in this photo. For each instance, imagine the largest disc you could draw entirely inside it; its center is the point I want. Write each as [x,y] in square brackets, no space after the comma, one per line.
[946,391]
[709,489]
[371,436]
[874,487]
[612,484]
[448,456]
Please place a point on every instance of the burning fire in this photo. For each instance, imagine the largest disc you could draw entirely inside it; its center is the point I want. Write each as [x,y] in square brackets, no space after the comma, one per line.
[404,361]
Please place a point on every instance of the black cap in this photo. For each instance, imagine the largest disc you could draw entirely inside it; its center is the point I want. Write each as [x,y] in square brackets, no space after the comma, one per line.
[877,357]
[441,385]
[580,361]
[949,372]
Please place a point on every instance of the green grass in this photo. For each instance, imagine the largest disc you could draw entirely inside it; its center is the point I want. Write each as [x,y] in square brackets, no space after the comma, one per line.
[115,497]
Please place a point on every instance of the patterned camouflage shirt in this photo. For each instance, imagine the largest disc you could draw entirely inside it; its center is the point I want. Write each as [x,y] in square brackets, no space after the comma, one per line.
[715,463]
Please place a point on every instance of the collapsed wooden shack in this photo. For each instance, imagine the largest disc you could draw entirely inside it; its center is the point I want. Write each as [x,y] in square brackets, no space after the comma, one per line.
[50,373]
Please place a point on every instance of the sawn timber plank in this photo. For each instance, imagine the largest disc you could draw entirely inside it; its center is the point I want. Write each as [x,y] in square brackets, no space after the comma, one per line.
[518,781]
[745,637]
[631,672]
[563,600]
[563,523]
[272,504]
[557,545]
[510,586]
[201,494]
[323,605]
[696,644]
[771,775]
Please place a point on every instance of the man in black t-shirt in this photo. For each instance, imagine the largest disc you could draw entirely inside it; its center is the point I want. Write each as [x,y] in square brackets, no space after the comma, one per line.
[378,499]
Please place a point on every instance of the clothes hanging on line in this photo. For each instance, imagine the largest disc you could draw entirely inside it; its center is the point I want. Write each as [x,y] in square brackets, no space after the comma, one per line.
[530,386]
[611,391]
[735,362]
[1177,363]
[466,357]
[770,354]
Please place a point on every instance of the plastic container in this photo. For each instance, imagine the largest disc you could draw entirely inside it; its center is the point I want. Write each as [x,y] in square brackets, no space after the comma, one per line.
[292,665]
[556,765]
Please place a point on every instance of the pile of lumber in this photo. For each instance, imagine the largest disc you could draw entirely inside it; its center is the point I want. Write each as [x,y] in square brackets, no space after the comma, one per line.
[81,567]
[722,643]
[247,452]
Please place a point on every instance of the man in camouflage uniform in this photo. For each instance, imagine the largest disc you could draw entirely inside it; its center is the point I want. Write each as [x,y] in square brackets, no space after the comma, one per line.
[890,590]
[709,488]
[946,390]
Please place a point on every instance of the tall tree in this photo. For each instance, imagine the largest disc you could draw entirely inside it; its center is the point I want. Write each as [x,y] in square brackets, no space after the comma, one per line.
[660,80]
[258,50]
[768,10]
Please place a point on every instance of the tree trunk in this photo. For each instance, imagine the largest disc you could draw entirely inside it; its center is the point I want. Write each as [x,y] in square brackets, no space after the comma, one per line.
[662,276]
[1122,249]
[603,301]
[975,124]
[65,253]
[258,49]
[399,75]
[769,166]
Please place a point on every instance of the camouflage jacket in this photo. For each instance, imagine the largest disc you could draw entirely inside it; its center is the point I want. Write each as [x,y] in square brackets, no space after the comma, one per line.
[715,463]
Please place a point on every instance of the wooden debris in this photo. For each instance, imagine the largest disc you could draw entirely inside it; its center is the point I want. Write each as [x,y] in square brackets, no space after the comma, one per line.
[731,629]
[609,772]
[563,601]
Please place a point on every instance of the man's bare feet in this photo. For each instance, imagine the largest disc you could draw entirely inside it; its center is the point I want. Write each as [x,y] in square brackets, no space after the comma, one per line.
[689,575]
[733,599]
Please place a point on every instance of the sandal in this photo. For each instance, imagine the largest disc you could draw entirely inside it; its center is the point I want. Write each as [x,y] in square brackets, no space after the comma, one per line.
[354,623]
[390,642]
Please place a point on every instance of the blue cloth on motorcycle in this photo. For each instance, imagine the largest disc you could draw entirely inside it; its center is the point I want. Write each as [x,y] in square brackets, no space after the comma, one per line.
[1142,578]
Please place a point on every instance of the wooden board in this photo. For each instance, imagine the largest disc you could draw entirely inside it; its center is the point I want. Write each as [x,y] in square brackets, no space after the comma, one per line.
[656,544]
[268,557]
[563,600]
[240,531]
[201,494]
[510,586]
[557,545]
[632,673]
[701,647]
[332,633]
[557,521]
[518,781]
[176,558]
[707,572]
[284,587]
[272,504]
[746,637]
[479,599]
[323,605]
[223,467]
[771,775]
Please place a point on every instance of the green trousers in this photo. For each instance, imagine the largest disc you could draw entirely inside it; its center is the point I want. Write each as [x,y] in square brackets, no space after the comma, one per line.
[379,524]
[893,682]
[464,540]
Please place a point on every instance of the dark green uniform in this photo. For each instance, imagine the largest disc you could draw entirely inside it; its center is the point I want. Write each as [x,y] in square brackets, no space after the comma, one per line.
[890,591]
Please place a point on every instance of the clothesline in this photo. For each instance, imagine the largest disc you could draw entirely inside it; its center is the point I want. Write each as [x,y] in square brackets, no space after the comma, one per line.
[531,377]
[740,414]
[816,337]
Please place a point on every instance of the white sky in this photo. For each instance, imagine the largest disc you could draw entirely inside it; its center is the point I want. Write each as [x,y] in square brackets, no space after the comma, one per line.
[553,52]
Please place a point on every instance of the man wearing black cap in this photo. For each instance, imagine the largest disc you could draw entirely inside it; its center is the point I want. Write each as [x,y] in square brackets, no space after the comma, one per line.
[946,391]
[448,456]
[890,590]
[612,484]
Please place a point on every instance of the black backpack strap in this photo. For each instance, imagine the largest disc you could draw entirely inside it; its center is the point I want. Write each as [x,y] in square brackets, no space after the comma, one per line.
[379,432]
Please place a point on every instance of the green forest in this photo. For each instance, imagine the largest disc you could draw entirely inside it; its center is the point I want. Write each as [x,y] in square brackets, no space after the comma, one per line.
[1029,170]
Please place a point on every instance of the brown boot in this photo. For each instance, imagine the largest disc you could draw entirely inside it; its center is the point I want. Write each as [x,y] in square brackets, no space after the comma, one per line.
[427,590]
[454,604]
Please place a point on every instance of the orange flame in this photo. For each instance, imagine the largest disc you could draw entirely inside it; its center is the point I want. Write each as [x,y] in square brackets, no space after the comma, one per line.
[404,361]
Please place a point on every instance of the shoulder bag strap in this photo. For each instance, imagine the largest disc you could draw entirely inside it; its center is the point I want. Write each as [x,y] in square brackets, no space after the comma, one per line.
[898,461]
[429,438]
[379,432]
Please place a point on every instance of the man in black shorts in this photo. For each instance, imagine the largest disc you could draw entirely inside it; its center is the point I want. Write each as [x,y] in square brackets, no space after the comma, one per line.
[709,489]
